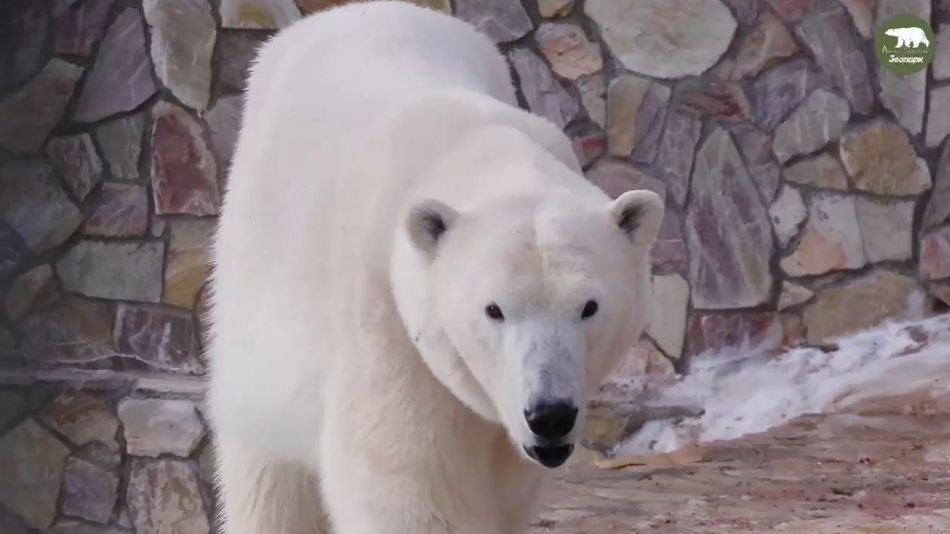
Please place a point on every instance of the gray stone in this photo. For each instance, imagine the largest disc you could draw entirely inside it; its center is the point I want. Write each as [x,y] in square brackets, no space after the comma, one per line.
[746,11]
[31,472]
[183,35]
[34,287]
[664,38]
[501,20]
[756,148]
[89,491]
[10,253]
[233,56]
[636,111]
[905,96]
[34,205]
[119,210]
[100,454]
[674,158]
[121,143]
[555,8]
[668,255]
[832,239]
[767,43]
[938,120]
[189,261]
[713,99]
[779,91]
[78,331]
[259,14]
[668,324]
[880,159]
[594,97]
[820,119]
[224,123]
[568,50]
[544,94]
[830,38]
[24,26]
[887,229]
[184,172]
[787,214]
[792,11]
[7,343]
[82,418]
[67,526]
[164,497]
[207,464]
[861,12]
[10,523]
[76,160]
[938,209]
[615,178]
[728,230]
[79,24]
[121,79]
[822,171]
[160,426]
[163,339]
[935,255]
[940,67]
[793,295]
[11,406]
[28,116]
[118,271]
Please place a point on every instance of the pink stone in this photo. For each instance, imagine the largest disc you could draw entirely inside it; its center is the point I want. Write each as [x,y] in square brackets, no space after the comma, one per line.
[184,173]
[935,255]
[770,332]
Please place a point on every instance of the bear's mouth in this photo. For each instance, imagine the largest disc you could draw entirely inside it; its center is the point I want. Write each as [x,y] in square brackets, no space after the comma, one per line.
[550,457]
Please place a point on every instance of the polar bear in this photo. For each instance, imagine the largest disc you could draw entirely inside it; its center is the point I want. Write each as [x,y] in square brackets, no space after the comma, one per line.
[415,290]
[912,37]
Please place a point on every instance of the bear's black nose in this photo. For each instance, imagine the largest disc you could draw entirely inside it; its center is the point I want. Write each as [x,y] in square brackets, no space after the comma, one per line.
[551,421]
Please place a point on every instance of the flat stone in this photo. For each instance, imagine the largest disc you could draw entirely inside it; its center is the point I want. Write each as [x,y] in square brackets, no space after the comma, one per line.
[188,263]
[119,210]
[615,178]
[79,25]
[594,97]
[233,57]
[887,229]
[224,123]
[67,526]
[555,8]
[935,255]
[164,496]
[259,14]
[10,523]
[787,214]
[664,38]
[543,93]
[766,332]
[746,11]
[184,172]
[793,295]
[822,171]
[938,209]
[34,205]
[183,34]
[828,35]
[160,426]
[727,229]
[163,339]
[121,78]
[89,491]
[76,160]
[820,119]
[636,110]
[756,148]
[82,418]
[121,144]
[780,90]
[101,454]
[29,115]
[568,50]
[158,226]
[11,406]
[501,20]
[793,10]
[118,271]
[714,99]
[880,159]
[10,254]
[78,331]
[862,14]
[905,96]
[941,292]
[31,472]
[668,255]
[668,324]
[674,159]
[768,43]
[35,286]
[588,145]
[24,26]
[832,239]
[866,302]
[938,121]
[940,67]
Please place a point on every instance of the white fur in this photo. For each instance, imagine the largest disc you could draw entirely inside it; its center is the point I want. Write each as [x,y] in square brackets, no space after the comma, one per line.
[353,370]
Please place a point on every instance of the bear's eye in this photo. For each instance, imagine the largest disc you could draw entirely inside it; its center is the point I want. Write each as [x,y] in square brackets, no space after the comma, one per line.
[494,312]
[589,309]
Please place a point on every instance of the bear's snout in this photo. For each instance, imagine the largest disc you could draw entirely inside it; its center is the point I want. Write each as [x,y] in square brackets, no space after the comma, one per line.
[551,421]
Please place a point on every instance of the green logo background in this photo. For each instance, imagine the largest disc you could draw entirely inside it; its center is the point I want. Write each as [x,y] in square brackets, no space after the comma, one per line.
[906,59]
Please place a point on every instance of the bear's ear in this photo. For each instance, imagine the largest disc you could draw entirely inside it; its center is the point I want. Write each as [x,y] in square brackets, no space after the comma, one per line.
[639,215]
[427,223]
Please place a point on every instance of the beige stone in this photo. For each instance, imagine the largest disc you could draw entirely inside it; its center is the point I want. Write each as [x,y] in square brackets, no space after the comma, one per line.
[861,304]
[793,295]
[832,239]
[555,8]
[941,292]
[632,103]
[188,264]
[568,50]
[668,324]
[258,14]
[887,229]
[593,92]
[767,43]
[823,171]
[880,159]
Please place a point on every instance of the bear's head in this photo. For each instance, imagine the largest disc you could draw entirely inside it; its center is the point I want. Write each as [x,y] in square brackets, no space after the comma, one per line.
[523,306]
[892,32]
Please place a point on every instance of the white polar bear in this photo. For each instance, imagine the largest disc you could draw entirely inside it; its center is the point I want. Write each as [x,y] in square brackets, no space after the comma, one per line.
[415,289]
[908,37]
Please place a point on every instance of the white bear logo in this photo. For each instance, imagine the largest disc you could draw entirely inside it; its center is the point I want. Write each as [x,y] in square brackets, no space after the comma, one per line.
[911,37]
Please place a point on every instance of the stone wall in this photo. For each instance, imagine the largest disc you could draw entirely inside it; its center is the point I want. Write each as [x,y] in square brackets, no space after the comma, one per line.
[808,196]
